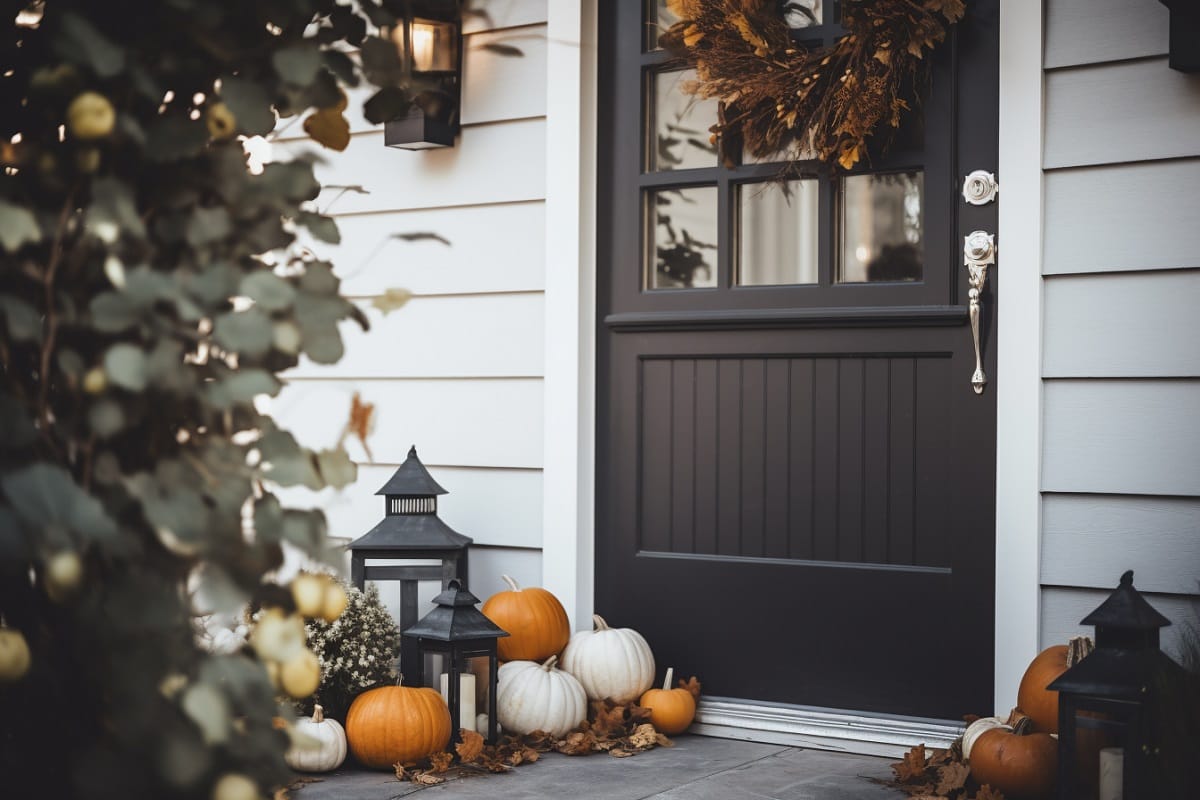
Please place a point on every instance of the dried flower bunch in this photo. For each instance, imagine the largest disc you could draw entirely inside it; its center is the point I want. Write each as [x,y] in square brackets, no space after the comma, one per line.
[823,102]
[357,651]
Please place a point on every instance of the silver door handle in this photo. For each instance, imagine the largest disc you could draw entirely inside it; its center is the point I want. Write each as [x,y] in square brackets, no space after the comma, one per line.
[979,250]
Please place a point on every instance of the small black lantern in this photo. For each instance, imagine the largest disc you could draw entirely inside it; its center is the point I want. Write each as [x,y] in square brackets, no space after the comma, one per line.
[1111,694]
[429,42]
[411,530]
[461,631]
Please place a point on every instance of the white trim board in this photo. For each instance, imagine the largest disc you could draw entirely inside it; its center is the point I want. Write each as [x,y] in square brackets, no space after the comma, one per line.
[820,728]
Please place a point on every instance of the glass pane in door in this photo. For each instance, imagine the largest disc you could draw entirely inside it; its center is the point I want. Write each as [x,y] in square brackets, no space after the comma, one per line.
[777,233]
[681,238]
[679,124]
[882,224]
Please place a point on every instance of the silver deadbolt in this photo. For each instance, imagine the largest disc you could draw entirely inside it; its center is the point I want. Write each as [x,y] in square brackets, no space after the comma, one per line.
[979,250]
[980,187]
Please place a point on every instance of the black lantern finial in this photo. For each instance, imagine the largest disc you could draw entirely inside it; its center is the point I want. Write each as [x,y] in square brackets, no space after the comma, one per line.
[456,627]
[412,530]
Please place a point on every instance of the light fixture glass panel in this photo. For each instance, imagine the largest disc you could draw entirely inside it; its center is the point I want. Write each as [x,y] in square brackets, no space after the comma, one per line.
[434,45]
[680,124]
[882,227]
[777,233]
[681,238]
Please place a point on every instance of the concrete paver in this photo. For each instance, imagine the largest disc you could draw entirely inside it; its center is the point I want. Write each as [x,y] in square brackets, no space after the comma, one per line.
[696,768]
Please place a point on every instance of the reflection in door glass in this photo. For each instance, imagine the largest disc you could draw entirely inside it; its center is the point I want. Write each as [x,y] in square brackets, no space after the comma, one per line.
[660,15]
[681,123]
[881,227]
[777,233]
[681,238]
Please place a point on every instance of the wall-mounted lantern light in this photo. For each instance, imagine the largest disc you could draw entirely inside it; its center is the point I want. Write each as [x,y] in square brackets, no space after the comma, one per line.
[429,42]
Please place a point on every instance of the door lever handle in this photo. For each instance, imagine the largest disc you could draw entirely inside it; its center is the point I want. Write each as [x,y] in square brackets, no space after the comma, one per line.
[979,251]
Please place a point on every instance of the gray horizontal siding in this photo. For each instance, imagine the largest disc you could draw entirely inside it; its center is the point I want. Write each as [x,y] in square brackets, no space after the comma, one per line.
[1089,540]
[1122,217]
[1092,31]
[1129,111]
[1142,324]
[1062,608]
[1122,437]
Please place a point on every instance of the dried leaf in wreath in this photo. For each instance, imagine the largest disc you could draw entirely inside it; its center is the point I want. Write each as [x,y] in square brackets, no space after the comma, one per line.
[470,747]
[912,767]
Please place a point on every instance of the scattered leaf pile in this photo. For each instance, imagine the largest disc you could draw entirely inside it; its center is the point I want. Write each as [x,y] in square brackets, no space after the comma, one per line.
[619,730]
[822,102]
[939,775]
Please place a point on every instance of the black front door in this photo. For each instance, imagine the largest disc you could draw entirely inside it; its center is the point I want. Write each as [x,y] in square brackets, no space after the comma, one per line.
[795,482]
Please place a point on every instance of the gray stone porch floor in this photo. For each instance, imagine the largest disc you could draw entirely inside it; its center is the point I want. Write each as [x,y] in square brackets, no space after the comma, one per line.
[696,768]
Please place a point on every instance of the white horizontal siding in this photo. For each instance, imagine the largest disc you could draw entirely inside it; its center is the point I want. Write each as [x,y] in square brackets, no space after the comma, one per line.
[1122,437]
[1062,609]
[1142,324]
[1092,31]
[1089,540]
[491,249]
[498,14]
[454,336]
[492,506]
[1123,217]
[472,422]
[495,163]
[1128,111]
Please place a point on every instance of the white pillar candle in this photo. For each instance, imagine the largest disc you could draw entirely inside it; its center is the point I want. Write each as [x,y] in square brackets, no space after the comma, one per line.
[466,698]
[1112,773]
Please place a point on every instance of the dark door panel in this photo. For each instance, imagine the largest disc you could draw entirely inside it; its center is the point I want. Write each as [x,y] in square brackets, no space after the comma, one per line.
[795,483]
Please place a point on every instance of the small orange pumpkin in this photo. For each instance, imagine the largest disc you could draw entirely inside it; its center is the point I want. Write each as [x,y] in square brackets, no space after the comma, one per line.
[1033,698]
[397,724]
[671,710]
[1020,764]
[536,623]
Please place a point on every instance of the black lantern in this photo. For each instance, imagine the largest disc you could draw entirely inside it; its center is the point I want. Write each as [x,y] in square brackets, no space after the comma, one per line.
[1108,698]
[459,630]
[411,531]
[429,42]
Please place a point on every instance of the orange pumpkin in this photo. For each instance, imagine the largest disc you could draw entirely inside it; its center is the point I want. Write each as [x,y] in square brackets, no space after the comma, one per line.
[397,724]
[671,710]
[1020,764]
[536,623]
[1033,698]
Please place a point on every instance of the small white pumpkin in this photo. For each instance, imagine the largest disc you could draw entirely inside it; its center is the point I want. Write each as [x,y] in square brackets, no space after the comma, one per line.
[537,697]
[977,729]
[327,749]
[610,662]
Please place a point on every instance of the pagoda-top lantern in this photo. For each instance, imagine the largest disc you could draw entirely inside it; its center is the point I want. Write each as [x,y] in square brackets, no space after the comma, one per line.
[412,531]
[1118,692]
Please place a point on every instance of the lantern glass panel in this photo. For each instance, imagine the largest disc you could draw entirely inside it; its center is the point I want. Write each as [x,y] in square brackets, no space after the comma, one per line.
[434,45]
[1099,776]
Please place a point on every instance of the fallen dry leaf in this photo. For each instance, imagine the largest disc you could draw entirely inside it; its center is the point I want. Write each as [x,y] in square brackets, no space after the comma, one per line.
[913,765]
[440,762]
[986,792]
[620,752]
[578,743]
[644,737]
[952,777]
[425,778]
[470,747]
[692,685]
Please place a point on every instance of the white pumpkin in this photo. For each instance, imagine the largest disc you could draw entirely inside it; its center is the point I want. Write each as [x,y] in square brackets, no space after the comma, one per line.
[977,729]
[326,749]
[610,662]
[537,697]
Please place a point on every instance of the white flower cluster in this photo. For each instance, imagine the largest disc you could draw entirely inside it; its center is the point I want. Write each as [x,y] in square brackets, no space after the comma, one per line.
[357,651]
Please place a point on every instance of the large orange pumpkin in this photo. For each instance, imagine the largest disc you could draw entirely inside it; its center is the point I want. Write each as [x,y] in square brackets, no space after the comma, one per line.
[536,623]
[397,724]
[1033,698]
[1020,764]
[671,710]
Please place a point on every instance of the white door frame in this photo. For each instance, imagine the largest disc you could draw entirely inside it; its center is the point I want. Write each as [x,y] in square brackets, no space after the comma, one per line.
[568,555]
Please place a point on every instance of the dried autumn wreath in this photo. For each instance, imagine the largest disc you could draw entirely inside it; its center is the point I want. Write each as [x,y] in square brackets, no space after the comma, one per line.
[812,103]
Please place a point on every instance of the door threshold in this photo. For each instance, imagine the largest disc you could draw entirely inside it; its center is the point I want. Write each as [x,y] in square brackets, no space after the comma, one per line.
[859,732]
